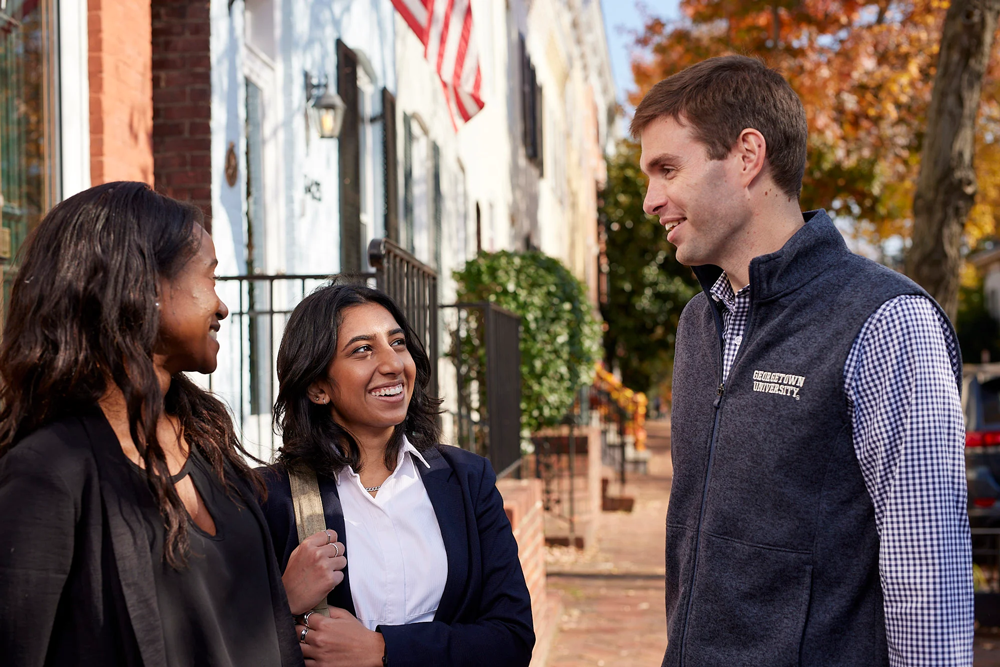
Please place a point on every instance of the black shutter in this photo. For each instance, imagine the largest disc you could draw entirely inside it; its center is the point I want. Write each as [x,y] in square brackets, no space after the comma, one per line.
[526,113]
[350,162]
[391,167]
[539,125]
[479,229]
[532,112]
[407,240]
[531,107]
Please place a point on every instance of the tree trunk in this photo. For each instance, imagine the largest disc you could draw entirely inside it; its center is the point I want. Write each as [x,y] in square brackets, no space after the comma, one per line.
[946,188]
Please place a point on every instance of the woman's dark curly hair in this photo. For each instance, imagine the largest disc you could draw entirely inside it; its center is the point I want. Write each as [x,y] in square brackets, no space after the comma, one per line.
[83,316]
[311,437]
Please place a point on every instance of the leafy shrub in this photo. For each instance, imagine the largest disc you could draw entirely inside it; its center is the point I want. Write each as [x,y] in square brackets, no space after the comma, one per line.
[560,337]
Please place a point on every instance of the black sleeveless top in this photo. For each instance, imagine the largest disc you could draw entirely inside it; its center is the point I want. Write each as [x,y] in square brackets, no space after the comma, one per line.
[217,610]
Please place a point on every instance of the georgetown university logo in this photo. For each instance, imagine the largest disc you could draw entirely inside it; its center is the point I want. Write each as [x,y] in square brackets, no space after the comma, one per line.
[777,383]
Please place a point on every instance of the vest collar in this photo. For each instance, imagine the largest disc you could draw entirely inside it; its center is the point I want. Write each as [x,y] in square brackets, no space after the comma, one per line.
[809,252]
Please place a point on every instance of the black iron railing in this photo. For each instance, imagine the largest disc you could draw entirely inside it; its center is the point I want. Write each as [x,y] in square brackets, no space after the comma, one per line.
[556,464]
[558,454]
[259,307]
[486,352]
[614,441]
[414,286]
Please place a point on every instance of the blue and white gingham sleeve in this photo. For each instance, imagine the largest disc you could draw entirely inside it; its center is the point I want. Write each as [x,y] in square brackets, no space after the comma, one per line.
[909,437]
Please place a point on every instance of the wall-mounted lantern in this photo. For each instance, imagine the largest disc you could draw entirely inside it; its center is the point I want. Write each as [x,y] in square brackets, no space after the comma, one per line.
[327,105]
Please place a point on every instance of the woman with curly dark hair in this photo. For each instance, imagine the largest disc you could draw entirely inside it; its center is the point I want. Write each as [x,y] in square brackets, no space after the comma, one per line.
[432,574]
[129,520]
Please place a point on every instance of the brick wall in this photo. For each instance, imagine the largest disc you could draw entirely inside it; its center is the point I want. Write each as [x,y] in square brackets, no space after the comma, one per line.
[586,486]
[121,108]
[182,93]
[522,500]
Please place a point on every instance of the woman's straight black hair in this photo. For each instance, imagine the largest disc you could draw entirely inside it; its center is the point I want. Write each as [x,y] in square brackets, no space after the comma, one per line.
[83,316]
[311,437]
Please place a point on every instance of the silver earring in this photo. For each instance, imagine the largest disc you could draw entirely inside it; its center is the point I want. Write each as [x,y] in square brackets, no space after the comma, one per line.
[157,303]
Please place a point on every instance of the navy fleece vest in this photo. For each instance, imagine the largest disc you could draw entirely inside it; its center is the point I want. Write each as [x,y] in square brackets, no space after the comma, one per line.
[772,550]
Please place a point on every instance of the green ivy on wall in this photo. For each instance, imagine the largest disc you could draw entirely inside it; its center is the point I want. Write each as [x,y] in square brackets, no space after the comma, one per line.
[560,336]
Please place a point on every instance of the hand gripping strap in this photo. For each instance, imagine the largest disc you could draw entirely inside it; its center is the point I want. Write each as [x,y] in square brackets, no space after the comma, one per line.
[309,518]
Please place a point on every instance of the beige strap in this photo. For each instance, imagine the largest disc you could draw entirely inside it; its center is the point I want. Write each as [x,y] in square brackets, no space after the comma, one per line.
[309,518]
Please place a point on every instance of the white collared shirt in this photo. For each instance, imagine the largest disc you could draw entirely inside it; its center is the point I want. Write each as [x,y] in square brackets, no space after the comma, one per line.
[395,553]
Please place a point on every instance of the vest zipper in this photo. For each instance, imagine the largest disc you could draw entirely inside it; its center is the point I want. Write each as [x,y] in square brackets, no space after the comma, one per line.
[717,404]
[719,393]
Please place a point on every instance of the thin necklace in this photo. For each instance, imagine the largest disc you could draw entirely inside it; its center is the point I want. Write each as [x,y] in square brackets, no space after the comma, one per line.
[373,488]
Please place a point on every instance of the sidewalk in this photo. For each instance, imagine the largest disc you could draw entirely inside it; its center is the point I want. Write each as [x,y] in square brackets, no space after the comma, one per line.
[612,593]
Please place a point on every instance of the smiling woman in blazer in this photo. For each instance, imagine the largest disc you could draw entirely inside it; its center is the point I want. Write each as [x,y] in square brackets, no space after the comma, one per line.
[129,523]
[432,576]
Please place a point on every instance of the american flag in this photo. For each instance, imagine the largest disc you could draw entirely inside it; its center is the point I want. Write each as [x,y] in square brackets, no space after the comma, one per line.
[444,27]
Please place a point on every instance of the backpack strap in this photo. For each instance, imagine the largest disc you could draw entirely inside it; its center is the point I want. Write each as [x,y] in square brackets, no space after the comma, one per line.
[309,518]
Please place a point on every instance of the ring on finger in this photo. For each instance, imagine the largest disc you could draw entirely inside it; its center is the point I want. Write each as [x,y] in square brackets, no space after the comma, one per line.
[329,538]
[305,620]
[302,635]
[337,547]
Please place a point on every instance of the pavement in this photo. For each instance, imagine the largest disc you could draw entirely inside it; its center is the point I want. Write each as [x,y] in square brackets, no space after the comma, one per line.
[612,591]
[987,648]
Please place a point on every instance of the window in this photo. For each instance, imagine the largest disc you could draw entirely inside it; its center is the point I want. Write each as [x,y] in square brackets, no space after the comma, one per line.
[417,184]
[29,117]
[370,156]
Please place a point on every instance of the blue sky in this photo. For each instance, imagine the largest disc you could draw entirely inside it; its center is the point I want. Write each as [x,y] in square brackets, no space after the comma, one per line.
[621,17]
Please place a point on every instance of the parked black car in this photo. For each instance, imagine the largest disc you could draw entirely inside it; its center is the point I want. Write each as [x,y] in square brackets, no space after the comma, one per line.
[981,405]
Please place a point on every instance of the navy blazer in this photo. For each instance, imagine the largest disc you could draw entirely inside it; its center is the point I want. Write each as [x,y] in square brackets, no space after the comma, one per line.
[484,618]
[76,573]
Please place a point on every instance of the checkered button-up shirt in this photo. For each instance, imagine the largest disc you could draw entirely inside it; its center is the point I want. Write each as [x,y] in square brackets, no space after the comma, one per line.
[909,437]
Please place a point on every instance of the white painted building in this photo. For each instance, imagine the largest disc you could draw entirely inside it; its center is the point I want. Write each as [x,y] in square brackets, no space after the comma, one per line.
[455,190]
[523,173]
[288,187]
[281,210]
[569,69]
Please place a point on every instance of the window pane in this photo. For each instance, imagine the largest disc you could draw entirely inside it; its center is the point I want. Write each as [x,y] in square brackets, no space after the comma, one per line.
[28,117]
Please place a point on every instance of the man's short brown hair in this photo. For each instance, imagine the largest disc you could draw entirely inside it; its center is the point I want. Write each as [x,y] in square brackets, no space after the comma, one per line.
[721,97]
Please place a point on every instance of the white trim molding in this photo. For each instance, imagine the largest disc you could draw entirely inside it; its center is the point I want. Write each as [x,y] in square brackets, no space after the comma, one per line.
[74,97]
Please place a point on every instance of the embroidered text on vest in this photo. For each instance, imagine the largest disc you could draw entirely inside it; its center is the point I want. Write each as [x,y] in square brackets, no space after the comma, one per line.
[778,383]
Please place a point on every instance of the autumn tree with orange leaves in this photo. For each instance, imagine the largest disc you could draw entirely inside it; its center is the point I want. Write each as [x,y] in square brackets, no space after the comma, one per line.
[865,73]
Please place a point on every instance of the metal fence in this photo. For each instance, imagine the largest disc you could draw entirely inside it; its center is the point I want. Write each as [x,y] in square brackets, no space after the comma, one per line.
[414,287]
[556,465]
[260,306]
[246,379]
[614,440]
[558,454]
[485,348]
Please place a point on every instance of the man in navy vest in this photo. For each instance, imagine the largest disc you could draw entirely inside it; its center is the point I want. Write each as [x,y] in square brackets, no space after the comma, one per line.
[818,508]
